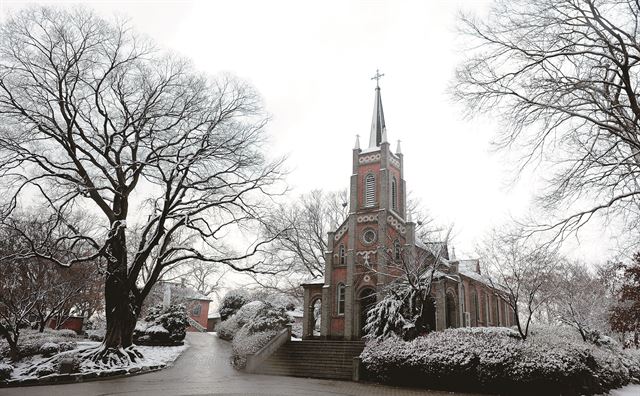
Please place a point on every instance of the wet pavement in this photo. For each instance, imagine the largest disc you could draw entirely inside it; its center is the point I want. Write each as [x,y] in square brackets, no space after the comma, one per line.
[204,369]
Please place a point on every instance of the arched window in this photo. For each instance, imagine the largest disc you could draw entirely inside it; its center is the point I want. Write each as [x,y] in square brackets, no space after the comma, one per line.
[369,190]
[451,311]
[476,307]
[342,255]
[487,305]
[505,317]
[340,298]
[396,250]
[394,194]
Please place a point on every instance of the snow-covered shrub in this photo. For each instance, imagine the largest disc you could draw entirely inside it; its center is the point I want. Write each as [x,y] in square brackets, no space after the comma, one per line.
[49,349]
[268,318]
[246,343]
[70,364]
[162,326]
[275,298]
[495,361]
[232,302]
[5,371]
[65,333]
[96,335]
[227,329]
[45,369]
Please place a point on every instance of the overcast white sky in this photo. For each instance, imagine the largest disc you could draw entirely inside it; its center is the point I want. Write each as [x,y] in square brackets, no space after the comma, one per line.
[312,63]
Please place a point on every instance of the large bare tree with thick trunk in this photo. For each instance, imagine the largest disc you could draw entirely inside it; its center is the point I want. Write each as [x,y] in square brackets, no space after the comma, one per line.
[93,117]
[563,77]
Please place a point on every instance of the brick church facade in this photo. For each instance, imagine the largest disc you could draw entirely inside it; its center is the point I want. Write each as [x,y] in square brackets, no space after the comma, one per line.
[357,266]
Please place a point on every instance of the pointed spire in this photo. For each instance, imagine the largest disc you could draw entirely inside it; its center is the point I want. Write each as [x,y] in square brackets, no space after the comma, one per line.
[378,125]
[357,147]
[398,150]
[453,253]
[409,217]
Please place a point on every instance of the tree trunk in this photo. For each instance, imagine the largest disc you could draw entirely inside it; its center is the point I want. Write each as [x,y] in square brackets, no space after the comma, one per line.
[121,307]
[14,351]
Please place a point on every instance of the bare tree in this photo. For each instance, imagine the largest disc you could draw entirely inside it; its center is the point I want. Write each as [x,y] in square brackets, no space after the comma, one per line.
[300,231]
[522,271]
[581,300]
[94,117]
[562,76]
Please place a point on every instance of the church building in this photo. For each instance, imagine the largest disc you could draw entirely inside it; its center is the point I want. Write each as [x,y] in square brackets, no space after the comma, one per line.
[357,263]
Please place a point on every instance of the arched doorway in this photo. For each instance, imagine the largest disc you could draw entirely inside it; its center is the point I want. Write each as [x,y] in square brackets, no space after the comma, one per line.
[366,300]
[451,310]
[315,317]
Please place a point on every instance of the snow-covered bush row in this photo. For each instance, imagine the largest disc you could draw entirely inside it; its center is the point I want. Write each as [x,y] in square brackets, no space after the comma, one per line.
[227,329]
[497,362]
[256,333]
[246,343]
[31,342]
[5,371]
[251,328]
[162,326]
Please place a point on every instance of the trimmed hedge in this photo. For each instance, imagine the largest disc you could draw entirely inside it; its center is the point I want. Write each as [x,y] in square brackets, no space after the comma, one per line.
[497,361]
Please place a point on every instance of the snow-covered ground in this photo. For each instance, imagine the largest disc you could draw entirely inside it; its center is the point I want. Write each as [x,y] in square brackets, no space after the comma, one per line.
[46,366]
[629,390]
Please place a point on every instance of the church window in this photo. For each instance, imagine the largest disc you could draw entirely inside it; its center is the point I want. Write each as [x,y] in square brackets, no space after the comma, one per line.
[506,313]
[487,314]
[396,250]
[342,255]
[451,312]
[341,298]
[476,308]
[197,309]
[394,194]
[369,190]
[369,236]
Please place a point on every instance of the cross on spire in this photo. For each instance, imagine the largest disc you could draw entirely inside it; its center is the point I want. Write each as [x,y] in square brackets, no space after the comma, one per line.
[377,77]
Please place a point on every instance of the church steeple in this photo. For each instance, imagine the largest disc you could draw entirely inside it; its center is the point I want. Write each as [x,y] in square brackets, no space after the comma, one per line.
[378,127]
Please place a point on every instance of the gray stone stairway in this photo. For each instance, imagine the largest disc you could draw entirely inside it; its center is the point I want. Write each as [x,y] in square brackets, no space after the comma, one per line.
[314,358]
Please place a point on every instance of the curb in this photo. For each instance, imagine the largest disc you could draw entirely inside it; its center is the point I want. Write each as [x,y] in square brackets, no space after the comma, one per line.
[59,379]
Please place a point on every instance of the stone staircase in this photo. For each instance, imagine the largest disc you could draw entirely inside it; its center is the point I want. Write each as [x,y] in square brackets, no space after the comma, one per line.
[314,358]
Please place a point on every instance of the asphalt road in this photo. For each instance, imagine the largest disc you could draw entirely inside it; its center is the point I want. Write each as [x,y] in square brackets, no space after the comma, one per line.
[204,369]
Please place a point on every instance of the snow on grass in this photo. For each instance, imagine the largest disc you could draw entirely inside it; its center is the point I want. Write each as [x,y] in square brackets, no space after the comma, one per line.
[38,366]
[629,390]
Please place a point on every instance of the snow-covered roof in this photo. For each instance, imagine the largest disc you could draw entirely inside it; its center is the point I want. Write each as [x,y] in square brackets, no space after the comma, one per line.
[215,315]
[313,281]
[184,291]
[470,268]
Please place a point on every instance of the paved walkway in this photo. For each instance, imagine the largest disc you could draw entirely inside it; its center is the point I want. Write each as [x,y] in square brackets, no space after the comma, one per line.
[204,369]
